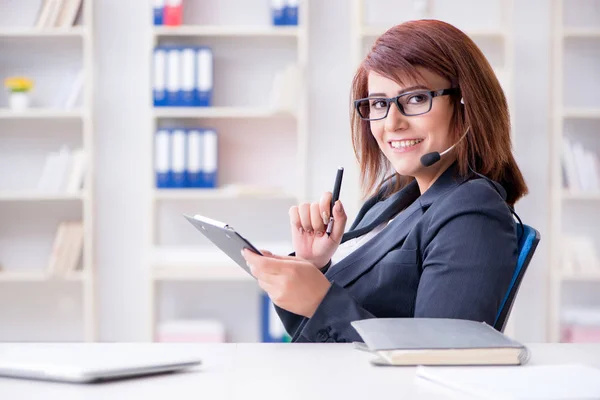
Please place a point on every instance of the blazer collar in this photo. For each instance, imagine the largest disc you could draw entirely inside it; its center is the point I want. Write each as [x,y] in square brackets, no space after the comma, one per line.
[449,179]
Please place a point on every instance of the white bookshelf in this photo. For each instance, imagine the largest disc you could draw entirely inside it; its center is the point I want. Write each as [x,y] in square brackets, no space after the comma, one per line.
[492,31]
[262,160]
[30,218]
[575,38]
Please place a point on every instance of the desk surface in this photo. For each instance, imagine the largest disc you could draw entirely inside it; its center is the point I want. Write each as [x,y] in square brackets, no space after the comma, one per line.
[271,371]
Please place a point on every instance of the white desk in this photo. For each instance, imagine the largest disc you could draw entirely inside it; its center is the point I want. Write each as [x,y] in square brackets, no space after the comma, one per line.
[271,371]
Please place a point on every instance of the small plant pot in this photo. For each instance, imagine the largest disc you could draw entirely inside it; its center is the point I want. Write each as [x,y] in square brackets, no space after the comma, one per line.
[18,101]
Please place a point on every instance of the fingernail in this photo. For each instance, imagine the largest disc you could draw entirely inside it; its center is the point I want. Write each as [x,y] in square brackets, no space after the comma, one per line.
[338,207]
[242,251]
[325,219]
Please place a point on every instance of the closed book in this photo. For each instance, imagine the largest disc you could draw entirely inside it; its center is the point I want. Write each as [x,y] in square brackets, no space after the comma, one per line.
[173,81]
[438,341]
[194,158]
[159,73]
[204,77]
[177,160]
[210,158]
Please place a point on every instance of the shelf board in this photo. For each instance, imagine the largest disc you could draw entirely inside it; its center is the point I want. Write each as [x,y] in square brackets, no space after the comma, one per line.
[226,30]
[221,193]
[581,195]
[372,31]
[581,112]
[40,113]
[224,272]
[581,33]
[37,196]
[581,277]
[71,32]
[219,112]
[37,276]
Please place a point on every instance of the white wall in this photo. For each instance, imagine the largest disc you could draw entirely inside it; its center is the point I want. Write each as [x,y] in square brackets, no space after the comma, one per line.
[123,147]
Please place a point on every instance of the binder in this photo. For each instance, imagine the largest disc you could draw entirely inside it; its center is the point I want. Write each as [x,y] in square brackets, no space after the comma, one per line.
[173,15]
[159,77]
[204,77]
[194,158]
[159,9]
[173,80]
[188,67]
[291,12]
[278,11]
[210,158]
[178,164]
[272,328]
[162,158]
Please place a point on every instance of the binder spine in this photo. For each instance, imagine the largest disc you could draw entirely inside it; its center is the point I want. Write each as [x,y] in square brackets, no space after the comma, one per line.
[178,164]
[210,158]
[173,76]
[159,9]
[278,11]
[194,159]
[291,12]
[187,76]
[159,74]
[173,15]
[204,77]
[162,158]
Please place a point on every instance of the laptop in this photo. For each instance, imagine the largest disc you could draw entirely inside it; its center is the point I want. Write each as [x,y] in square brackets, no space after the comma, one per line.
[91,363]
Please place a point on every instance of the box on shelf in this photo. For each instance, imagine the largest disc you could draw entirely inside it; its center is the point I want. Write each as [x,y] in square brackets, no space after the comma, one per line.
[581,325]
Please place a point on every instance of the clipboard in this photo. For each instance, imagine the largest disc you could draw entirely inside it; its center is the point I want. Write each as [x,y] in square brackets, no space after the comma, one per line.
[225,237]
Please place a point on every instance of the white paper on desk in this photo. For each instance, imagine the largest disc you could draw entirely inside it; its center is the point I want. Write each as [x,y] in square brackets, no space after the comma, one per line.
[519,382]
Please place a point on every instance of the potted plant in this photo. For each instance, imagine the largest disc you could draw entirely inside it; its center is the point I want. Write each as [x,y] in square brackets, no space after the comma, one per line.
[18,88]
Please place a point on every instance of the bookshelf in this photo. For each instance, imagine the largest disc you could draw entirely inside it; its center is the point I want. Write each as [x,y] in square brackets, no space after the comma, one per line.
[492,31]
[574,207]
[45,307]
[262,165]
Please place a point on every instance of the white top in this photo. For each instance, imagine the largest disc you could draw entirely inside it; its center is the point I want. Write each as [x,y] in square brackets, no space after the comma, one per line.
[268,371]
[350,246]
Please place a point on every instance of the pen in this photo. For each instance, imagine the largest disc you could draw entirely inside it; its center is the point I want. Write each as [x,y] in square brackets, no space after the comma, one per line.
[335,197]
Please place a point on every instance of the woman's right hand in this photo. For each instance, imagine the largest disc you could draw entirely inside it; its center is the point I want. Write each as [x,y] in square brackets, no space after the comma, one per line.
[309,222]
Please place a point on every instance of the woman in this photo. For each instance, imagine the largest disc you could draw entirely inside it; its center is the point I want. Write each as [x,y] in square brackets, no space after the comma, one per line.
[431,241]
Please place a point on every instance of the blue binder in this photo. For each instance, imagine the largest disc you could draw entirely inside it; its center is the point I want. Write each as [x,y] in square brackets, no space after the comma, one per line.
[188,76]
[162,158]
[194,159]
[159,90]
[210,157]
[173,80]
[291,12]
[159,9]
[204,77]
[178,162]
[272,329]
[278,12]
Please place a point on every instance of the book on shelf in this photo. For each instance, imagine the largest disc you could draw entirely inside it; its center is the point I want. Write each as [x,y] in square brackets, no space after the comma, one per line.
[579,255]
[580,167]
[58,13]
[66,249]
[437,341]
[284,12]
[63,172]
[70,91]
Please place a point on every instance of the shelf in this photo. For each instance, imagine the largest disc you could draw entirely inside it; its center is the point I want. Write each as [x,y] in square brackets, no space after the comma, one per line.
[372,31]
[219,112]
[581,195]
[225,30]
[45,33]
[581,277]
[40,113]
[581,33]
[229,272]
[36,196]
[38,276]
[221,193]
[581,112]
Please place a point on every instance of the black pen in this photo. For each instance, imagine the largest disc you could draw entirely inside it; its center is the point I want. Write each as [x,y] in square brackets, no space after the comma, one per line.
[335,197]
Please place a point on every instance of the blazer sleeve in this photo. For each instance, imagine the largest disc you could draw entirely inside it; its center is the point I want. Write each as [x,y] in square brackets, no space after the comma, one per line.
[469,261]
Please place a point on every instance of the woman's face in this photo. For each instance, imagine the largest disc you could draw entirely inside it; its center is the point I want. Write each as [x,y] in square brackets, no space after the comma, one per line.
[404,139]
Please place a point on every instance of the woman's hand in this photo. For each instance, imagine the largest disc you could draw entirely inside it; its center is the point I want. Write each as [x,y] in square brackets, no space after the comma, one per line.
[292,284]
[308,223]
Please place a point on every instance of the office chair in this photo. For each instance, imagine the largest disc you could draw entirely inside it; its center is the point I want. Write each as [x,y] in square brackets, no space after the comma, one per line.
[527,244]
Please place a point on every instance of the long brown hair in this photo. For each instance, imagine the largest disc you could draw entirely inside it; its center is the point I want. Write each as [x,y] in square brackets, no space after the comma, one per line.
[446,51]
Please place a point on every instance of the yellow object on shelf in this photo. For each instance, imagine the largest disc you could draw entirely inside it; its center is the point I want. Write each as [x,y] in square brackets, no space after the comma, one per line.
[18,84]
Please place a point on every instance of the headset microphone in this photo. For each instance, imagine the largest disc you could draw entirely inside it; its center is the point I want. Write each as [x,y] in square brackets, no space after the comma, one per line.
[431,158]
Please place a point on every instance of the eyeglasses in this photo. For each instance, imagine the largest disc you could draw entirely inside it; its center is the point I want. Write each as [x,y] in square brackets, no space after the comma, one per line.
[409,104]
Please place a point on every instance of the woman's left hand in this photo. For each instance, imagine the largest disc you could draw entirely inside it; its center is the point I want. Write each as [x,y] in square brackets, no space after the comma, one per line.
[292,284]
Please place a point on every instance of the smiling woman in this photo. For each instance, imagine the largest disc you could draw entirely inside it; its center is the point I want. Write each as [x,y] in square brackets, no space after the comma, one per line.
[436,236]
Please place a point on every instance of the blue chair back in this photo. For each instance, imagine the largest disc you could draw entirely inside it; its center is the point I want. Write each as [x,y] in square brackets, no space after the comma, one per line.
[527,244]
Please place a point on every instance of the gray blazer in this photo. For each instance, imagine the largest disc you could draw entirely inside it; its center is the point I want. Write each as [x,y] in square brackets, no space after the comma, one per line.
[449,253]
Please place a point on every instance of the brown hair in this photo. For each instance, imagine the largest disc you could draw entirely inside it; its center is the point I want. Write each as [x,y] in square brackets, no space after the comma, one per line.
[446,51]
